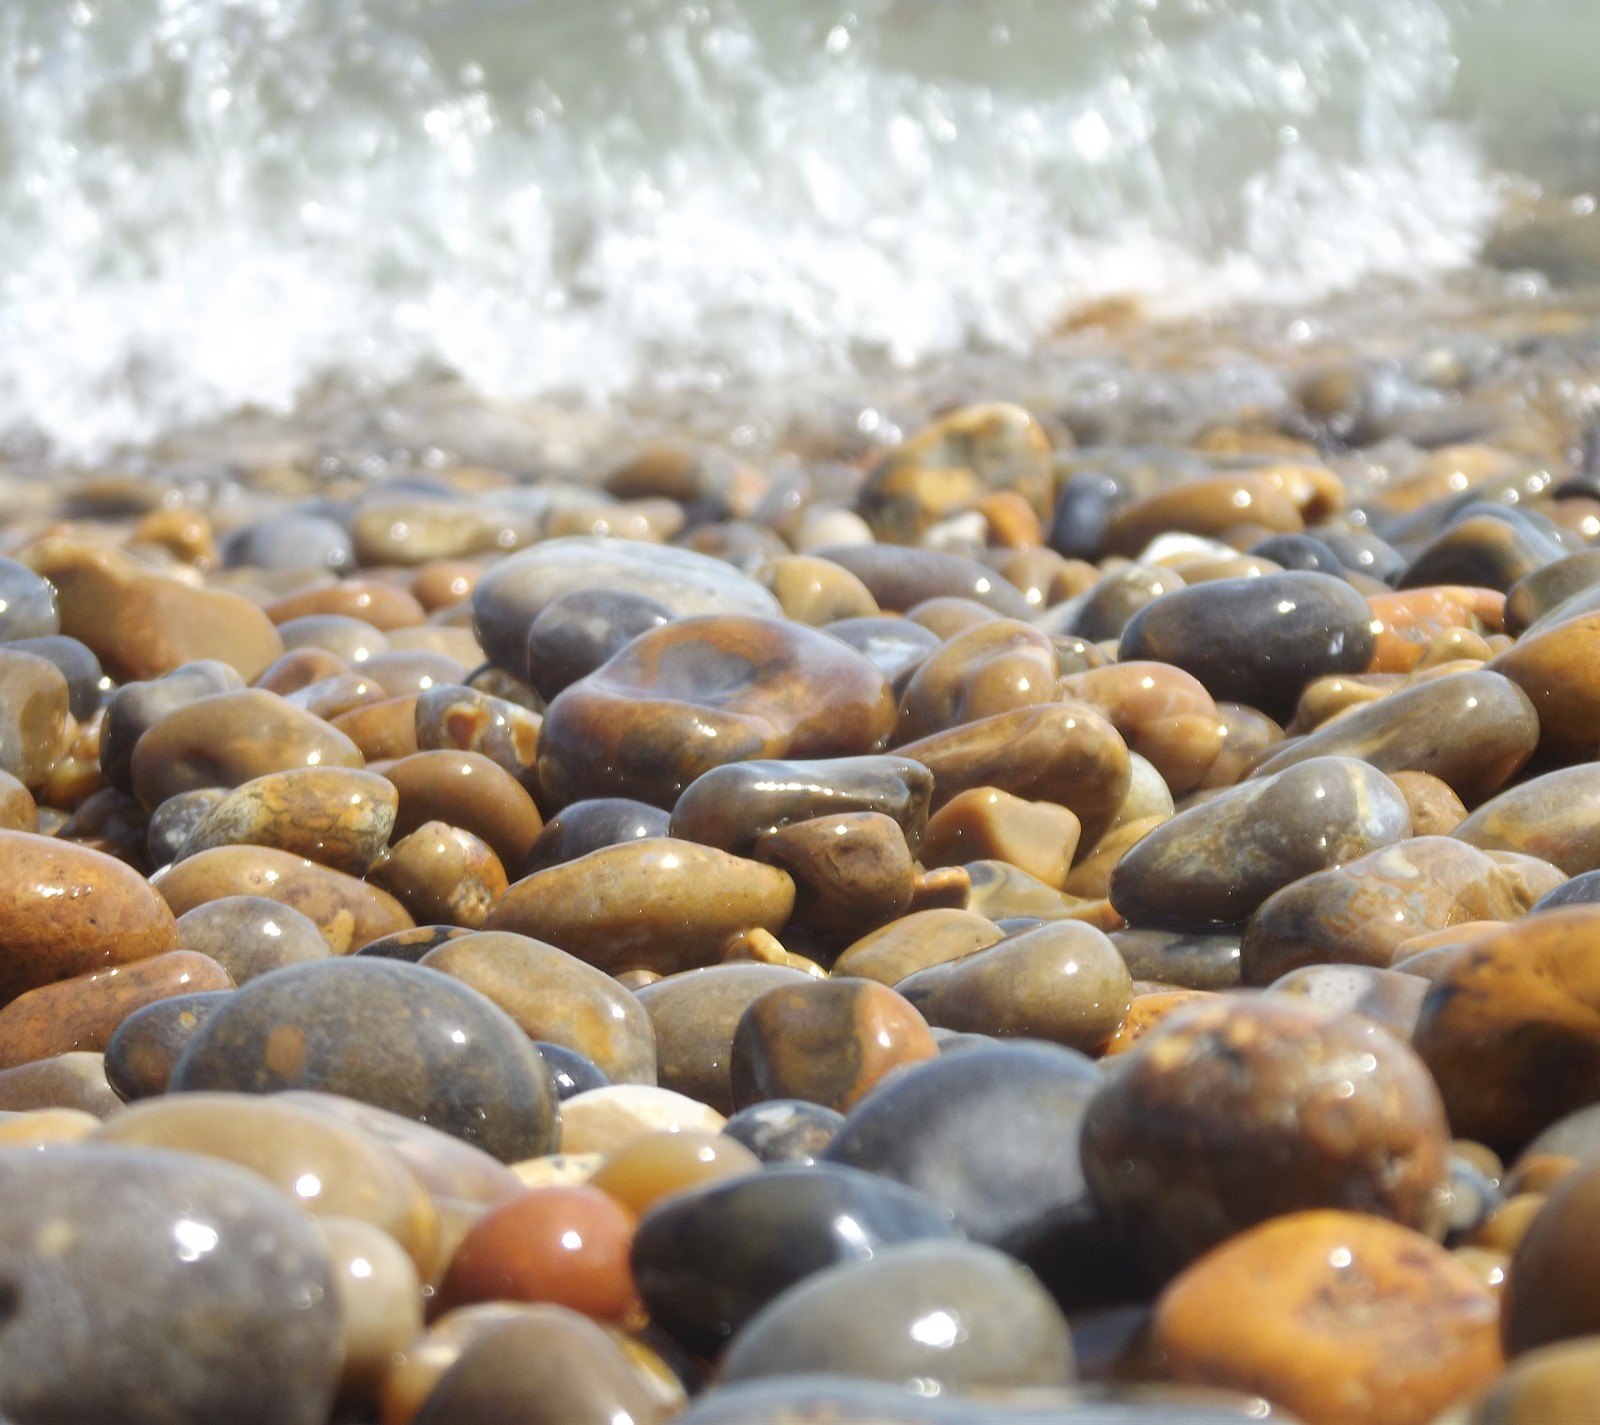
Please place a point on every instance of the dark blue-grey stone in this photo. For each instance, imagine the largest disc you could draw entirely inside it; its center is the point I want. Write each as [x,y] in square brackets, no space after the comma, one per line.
[137,707]
[87,683]
[582,827]
[580,630]
[28,607]
[785,1130]
[571,1072]
[290,541]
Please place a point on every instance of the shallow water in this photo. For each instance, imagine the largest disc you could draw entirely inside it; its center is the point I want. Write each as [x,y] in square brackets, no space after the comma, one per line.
[214,204]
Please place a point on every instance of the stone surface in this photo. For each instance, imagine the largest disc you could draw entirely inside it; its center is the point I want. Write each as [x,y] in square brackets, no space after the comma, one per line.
[580,630]
[336,816]
[1347,1116]
[986,823]
[708,1260]
[586,826]
[251,935]
[826,1041]
[1337,1317]
[1161,712]
[785,1130]
[33,715]
[140,1055]
[66,910]
[900,579]
[189,1241]
[442,874]
[1388,997]
[1063,982]
[136,707]
[701,692]
[1510,1027]
[1361,912]
[916,941]
[467,790]
[656,1166]
[851,870]
[1220,860]
[556,996]
[660,904]
[349,912]
[393,1035]
[1556,667]
[605,1119]
[993,667]
[1550,1294]
[28,607]
[1256,641]
[71,1081]
[991,1322]
[1555,817]
[1472,730]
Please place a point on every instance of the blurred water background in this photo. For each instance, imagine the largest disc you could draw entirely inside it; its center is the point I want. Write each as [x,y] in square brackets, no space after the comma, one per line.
[210,204]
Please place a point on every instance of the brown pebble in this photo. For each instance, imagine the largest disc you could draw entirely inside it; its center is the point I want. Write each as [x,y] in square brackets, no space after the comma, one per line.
[35,727]
[384,606]
[851,871]
[337,816]
[988,824]
[467,790]
[916,941]
[1435,809]
[1551,1292]
[442,875]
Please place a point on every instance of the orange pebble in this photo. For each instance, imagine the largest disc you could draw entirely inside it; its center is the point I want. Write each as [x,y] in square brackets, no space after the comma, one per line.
[567,1245]
[646,1169]
[1407,622]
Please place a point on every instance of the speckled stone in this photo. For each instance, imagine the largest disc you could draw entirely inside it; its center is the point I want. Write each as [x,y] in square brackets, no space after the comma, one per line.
[441,873]
[555,996]
[785,1130]
[636,727]
[189,1241]
[347,911]
[430,1048]
[337,816]
[709,1259]
[1346,1115]
[512,594]
[1256,641]
[1064,753]
[1509,1027]
[864,1319]
[1339,1317]
[81,1014]
[251,935]
[1220,860]
[1361,912]
[1063,982]
[1555,817]
[827,1041]
[696,1013]
[660,904]
[67,910]
[142,623]
[1472,730]
[140,1055]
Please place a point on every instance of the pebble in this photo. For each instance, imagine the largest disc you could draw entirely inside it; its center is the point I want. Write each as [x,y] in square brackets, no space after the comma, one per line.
[1555,817]
[1364,1321]
[989,1320]
[701,692]
[709,1259]
[826,1041]
[1347,1116]
[430,1048]
[556,996]
[34,708]
[140,1055]
[88,1229]
[466,790]
[1257,641]
[1361,912]
[582,827]
[251,935]
[450,716]
[656,1166]
[900,579]
[785,1130]
[851,871]
[1220,860]
[916,942]
[1555,668]
[580,630]
[28,604]
[659,904]
[605,1119]
[136,707]
[441,873]
[1063,982]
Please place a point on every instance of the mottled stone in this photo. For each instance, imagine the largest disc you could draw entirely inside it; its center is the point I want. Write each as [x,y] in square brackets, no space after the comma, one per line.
[867,1319]
[552,1364]
[1406,624]
[467,790]
[709,1260]
[1256,641]
[1435,809]
[1555,817]
[1361,912]
[851,870]
[347,911]
[441,873]
[1339,1317]
[1174,1147]
[81,1014]
[826,1041]
[661,904]
[1063,982]
[33,715]
[514,592]
[555,996]
[900,578]
[67,910]
[1472,730]
[425,1046]
[28,606]
[1191,959]
[1510,1029]
[251,935]
[582,827]
[1220,860]
[142,623]
[140,1055]
[696,1014]
[701,692]
[451,716]
[189,1241]
[336,816]
[993,667]
[731,806]
[1057,752]
[785,1130]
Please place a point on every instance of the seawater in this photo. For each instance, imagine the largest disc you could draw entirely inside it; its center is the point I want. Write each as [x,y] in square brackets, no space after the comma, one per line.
[207,205]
